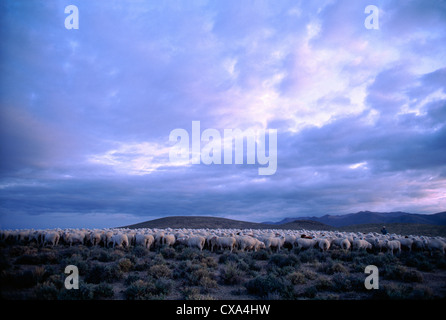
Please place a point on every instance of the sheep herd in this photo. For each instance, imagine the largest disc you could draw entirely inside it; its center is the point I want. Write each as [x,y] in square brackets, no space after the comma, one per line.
[226,239]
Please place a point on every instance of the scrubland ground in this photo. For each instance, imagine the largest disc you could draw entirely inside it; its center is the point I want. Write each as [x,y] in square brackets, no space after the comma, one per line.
[36,273]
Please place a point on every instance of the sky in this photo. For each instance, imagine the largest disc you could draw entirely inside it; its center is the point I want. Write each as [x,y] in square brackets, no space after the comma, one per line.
[86,114]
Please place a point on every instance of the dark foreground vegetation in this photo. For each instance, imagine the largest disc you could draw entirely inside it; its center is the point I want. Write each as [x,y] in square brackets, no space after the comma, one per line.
[33,272]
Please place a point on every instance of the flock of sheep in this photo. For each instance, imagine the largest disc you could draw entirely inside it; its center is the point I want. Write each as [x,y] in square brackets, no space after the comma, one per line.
[226,239]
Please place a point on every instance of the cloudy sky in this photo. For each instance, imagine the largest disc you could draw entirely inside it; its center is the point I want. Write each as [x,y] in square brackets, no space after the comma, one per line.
[86,113]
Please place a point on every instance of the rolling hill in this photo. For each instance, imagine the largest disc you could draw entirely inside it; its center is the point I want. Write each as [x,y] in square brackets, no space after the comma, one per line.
[203,222]
[199,222]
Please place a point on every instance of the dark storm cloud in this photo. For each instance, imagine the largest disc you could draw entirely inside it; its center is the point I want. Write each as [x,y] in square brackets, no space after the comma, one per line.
[86,114]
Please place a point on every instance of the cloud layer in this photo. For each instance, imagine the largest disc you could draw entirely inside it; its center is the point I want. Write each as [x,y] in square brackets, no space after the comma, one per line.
[86,114]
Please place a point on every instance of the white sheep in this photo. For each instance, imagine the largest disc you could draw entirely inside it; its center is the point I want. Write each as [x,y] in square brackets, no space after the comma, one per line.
[145,240]
[169,240]
[51,237]
[226,242]
[406,243]
[196,242]
[120,240]
[259,245]
[274,242]
[346,244]
[95,238]
[73,237]
[435,244]
[289,240]
[303,243]
[379,244]
[324,244]
[393,245]
[360,244]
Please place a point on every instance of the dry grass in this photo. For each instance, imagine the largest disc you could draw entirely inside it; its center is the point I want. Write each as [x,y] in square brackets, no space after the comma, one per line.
[30,272]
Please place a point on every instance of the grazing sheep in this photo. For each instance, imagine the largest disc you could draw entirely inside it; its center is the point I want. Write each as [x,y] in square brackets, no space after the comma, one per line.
[435,244]
[406,243]
[212,242]
[289,241]
[345,244]
[159,237]
[324,244]
[120,240]
[274,242]
[418,245]
[196,242]
[52,238]
[169,240]
[73,238]
[259,245]
[145,240]
[360,244]
[246,243]
[379,245]
[393,245]
[305,243]
[95,238]
[226,242]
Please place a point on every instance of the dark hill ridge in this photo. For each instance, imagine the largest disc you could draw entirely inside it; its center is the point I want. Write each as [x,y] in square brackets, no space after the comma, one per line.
[203,222]
[368,217]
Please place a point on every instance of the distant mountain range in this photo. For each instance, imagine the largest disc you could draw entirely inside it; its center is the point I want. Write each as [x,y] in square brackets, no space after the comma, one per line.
[366,217]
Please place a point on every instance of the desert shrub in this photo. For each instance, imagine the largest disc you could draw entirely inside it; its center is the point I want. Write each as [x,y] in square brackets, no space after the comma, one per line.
[100,273]
[163,286]
[141,266]
[297,277]
[140,251]
[22,279]
[391,291]
[402,291]
[17,251]
[168,253]
[310,274]
[202,277]
[49,258]
[422,293]
[341,282]
[5,263]
[187,254]
[323,283]
[231,275]
[209,262]
[139,290]
[103,290]
[263,285]
[85,292]
[105,256]
[79,262]
[402,273]
[226,257]
[46,291]
[151,289]
[310,292]
[281,260]
[159,271]
[125,265]
[194,294]
[332,268]
[311,255]
[28,259]
[130,279]
[260,255]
